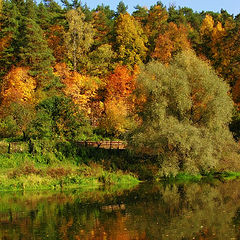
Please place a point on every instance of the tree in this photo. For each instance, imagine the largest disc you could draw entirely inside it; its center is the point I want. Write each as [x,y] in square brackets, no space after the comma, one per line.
[79,88]
[121,8]
[58,118]
[49,13]
[36,55]
[120,83]
[101,60]
[219,43]
[55,37]
[118,105]
[115,120]
[184,116]
[78,38]
[18,86]
[9,35]
[141,14]
[103,23]
[130,40]
[173,40]
[18,98]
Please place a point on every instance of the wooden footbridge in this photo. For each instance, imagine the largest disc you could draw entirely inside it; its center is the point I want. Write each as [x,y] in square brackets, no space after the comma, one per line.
[103,144]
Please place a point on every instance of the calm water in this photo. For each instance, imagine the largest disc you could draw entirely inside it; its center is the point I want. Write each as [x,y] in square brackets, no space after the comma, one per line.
[191,211]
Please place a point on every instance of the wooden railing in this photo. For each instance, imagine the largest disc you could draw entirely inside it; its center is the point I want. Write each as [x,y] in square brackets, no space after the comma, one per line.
[104,144]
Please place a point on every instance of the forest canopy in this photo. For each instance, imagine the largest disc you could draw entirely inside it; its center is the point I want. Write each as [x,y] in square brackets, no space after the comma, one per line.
[168,78]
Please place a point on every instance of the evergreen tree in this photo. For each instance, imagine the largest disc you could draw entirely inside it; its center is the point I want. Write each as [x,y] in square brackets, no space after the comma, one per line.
[9,36]
[36,54]
[103,24]
[141,14]
[121,9]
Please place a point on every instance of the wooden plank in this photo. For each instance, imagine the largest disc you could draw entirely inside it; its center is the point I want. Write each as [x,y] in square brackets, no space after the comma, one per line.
[104,144]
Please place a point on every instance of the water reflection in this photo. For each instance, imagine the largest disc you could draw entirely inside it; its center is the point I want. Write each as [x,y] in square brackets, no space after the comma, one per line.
[150,211]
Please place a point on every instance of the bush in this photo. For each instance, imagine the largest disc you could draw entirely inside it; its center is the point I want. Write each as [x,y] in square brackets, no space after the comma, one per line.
[8,127]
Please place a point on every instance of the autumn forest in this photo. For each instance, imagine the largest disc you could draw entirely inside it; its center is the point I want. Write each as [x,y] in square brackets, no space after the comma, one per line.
[166,80]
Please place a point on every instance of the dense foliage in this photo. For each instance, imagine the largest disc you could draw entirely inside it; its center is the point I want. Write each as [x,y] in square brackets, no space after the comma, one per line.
[68,72]
[184,116]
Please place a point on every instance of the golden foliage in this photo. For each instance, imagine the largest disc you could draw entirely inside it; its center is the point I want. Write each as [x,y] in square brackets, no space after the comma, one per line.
[81,89]
[118,105]
[131,40]
[18,86]
[173,40]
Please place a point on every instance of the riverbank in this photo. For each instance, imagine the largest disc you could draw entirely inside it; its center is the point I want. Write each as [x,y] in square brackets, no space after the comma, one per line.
[20,171]
[215,176]
[65,165]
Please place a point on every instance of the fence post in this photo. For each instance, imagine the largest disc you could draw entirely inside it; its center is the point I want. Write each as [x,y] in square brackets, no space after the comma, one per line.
[9,148]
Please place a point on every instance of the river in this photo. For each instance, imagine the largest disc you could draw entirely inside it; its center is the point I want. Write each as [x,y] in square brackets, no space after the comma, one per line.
[148,211]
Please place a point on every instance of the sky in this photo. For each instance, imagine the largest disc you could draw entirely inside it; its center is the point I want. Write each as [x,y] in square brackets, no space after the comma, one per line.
[232,6]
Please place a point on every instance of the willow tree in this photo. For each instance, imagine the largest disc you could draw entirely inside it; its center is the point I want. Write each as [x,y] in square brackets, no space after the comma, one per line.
[79,37]
[183,116]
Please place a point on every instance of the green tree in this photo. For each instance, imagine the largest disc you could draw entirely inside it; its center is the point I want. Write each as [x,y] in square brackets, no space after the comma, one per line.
[57,117]
[36,54]
[79,37]
[141,14]
[121,8]
[103,23]
[49,13]
[9,36]
[184,116]
[101,60]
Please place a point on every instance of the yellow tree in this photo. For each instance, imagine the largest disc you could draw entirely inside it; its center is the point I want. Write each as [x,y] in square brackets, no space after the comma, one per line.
[131,40]
[80,88]
[18,97]
[18,86]
[155,24]
[220,45]
[79,37]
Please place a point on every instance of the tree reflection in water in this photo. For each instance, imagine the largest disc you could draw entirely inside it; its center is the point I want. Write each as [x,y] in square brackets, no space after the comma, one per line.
[150,211]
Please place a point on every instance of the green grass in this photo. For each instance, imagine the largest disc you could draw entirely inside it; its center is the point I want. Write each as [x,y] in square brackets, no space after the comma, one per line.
[185,177]
[230,175]
[181,178]
[29,172]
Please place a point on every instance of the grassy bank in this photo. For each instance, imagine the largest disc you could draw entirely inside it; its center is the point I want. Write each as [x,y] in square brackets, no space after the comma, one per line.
[67,165]
[185,178]
[21,171]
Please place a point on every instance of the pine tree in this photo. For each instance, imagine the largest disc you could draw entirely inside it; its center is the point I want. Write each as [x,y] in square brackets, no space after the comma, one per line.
[36,54]
[10,21]
[121,8]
